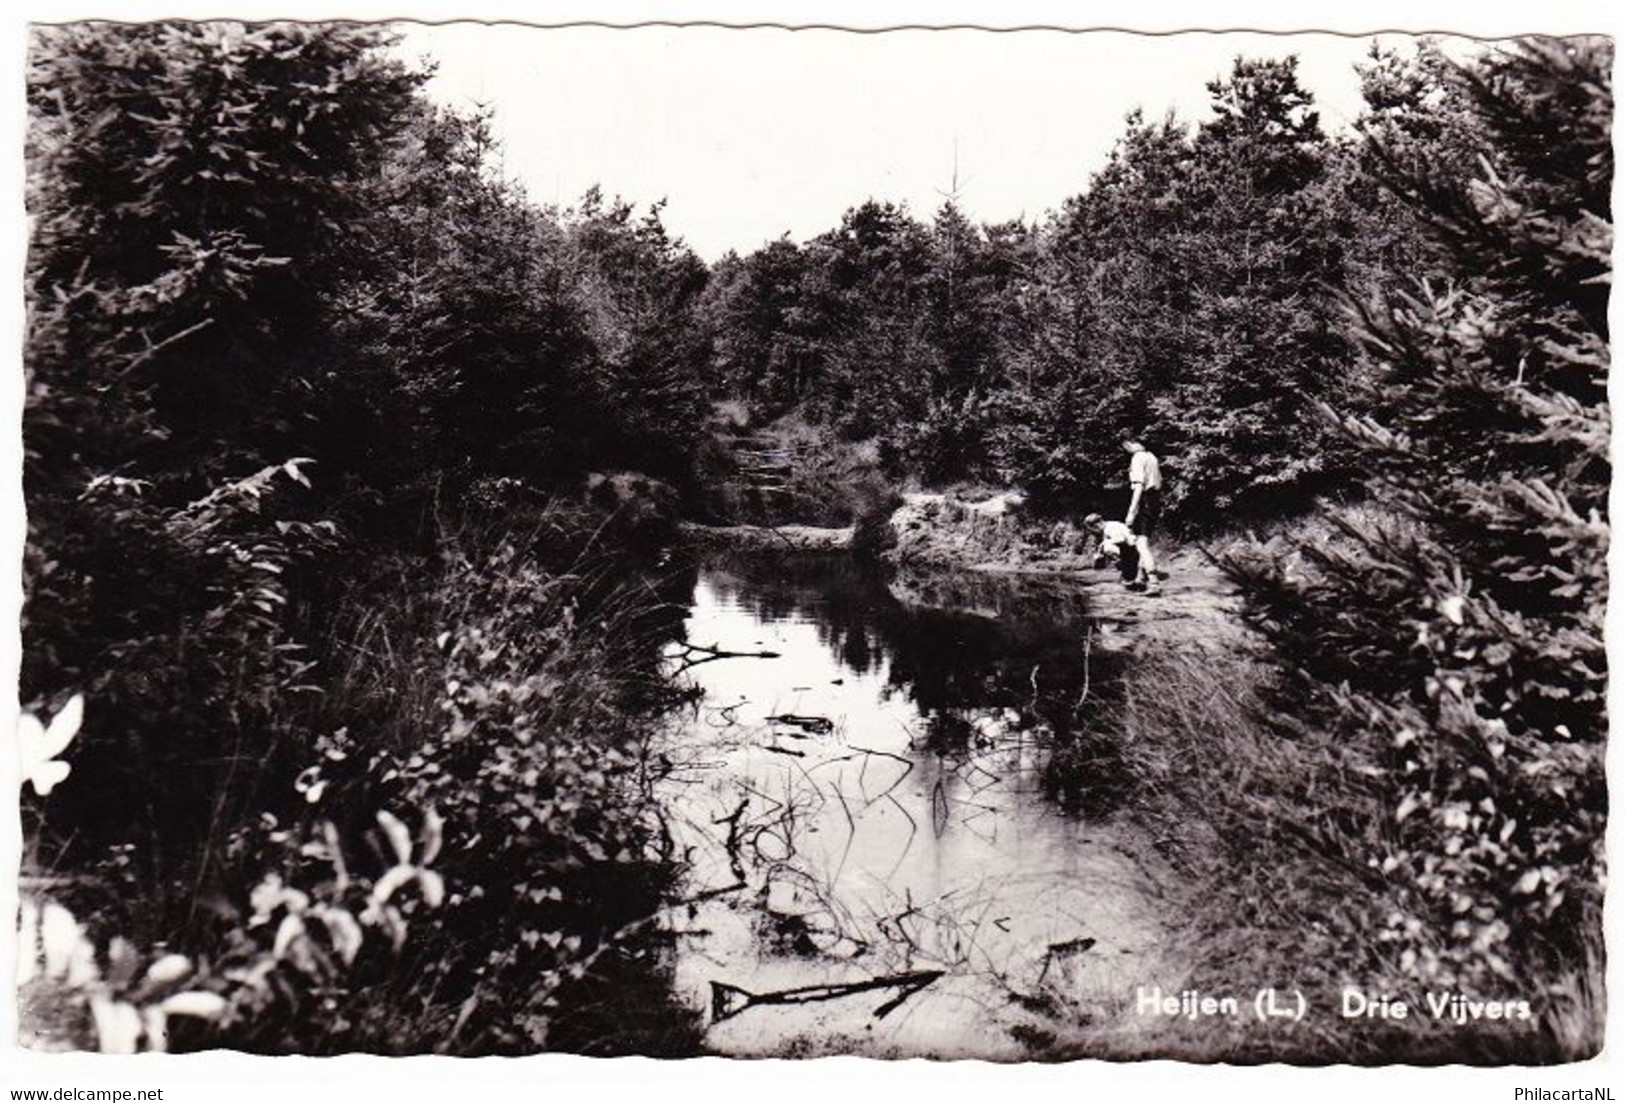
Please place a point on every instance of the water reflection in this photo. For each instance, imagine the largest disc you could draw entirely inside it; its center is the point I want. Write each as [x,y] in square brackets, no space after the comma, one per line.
[867,804]
[949,643]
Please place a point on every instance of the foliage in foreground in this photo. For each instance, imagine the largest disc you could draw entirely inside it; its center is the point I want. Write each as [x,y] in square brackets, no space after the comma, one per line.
[467,850]
[1269,837]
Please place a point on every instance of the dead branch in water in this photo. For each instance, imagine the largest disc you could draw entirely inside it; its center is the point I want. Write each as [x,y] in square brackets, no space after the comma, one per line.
[1071,946]
[1061,949]
[727,712]
[728,1000]
[712,654]
[908,768]
[1083,694]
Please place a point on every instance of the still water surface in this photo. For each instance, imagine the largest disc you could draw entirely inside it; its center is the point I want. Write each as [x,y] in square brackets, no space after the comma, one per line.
[869,803]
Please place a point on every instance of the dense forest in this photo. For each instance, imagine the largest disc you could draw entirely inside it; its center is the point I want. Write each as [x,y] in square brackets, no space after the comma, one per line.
[349,468]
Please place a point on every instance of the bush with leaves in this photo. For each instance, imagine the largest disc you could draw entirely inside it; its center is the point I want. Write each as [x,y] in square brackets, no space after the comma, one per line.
[276,975]
[192,186]
[506,700]
[293,947]
[514,688]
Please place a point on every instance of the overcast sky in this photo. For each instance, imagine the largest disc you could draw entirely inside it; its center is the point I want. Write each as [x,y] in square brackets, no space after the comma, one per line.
[749,134]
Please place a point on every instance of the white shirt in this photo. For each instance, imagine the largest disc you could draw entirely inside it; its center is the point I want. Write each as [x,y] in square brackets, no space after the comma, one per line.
[1143,471]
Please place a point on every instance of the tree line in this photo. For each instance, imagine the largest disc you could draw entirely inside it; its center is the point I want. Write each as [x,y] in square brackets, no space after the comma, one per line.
[1191,294]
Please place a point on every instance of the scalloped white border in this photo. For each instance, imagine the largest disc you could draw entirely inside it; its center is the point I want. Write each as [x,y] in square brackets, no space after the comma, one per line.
[251,1080]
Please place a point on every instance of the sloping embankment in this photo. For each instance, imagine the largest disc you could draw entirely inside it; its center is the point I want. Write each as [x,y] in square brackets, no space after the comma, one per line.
[936,530]
[768,538]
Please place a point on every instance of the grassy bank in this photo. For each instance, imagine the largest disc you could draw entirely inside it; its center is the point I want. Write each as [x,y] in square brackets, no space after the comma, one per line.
[1276,829]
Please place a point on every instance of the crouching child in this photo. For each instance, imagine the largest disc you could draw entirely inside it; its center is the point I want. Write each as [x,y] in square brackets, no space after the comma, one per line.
[1116,543]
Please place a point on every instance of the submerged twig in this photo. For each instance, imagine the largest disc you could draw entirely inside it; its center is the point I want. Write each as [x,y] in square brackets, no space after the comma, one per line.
[818,725]
[732,844]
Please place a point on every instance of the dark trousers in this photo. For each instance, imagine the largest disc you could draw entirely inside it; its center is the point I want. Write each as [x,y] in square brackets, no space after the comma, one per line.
[1128,562]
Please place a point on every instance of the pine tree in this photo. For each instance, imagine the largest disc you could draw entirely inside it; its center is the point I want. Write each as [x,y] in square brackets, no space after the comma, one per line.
[1259,260]
[194,194]
[1452,631]
[1101,322]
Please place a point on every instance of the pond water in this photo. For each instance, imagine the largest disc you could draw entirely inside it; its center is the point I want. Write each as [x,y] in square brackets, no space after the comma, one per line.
[877,864]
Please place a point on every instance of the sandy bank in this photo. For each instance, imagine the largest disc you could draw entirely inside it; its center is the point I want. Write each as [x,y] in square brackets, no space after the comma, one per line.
[997,535]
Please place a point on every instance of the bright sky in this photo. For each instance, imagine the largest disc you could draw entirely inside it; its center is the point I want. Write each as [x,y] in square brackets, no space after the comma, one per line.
[749,134]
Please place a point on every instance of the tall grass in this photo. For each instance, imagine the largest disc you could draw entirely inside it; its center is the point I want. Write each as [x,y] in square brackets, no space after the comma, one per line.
[1272,830]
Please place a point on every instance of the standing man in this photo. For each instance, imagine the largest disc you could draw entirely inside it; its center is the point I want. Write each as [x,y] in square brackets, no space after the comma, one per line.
[1144,509]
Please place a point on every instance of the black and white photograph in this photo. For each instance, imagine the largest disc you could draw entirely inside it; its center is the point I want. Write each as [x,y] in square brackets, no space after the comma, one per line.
[694,539]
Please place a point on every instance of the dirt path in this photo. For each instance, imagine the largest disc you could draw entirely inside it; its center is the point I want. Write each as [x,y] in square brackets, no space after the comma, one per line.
[1198,605]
